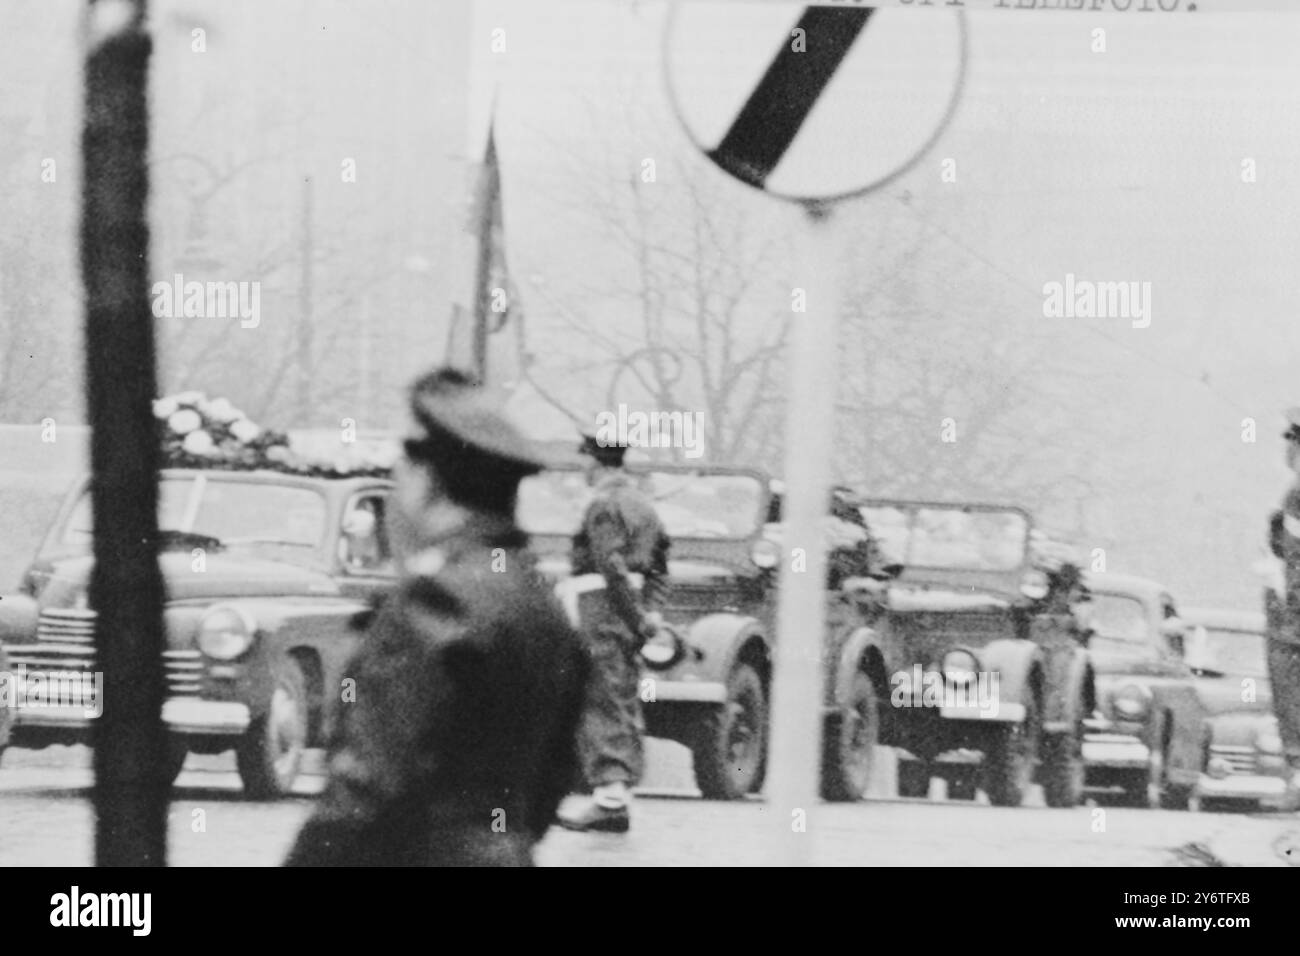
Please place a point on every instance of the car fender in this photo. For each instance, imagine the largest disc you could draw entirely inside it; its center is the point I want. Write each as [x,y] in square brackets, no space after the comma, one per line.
[1184,723]
[292,626]
[863,641]
[19,615]
[720,640]
[1013,661]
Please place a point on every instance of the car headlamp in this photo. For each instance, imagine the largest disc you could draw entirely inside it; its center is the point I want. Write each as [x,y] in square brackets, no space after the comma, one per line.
[1218,768]
[1268,743]
[664,649]
[226,632]
[765,553]
[1131,703]
[1034,584]
[959,667]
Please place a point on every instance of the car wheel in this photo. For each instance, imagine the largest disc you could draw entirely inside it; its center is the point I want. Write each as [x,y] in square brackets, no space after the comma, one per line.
[270,752]
[962,784]
[1062,770]
[1012,755]
[849,743]
[1142,788]
[1175,796]
[913,778]
[731,742]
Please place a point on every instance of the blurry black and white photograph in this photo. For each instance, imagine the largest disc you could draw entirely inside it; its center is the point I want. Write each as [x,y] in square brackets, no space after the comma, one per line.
[673,433]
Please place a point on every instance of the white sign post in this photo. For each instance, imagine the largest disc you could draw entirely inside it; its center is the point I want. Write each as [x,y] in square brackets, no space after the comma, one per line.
[818,104]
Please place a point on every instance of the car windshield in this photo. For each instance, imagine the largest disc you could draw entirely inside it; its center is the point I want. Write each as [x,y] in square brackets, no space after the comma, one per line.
[233,512]
[1236,652]
[1120,623]
[690,504]
[953,538]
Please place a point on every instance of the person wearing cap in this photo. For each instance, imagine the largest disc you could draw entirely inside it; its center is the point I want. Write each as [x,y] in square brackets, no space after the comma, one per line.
[1284,630]
[621,535]
[458,741]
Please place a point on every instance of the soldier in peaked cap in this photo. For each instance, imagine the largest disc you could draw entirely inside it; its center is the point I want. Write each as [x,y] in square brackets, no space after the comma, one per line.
[470,682]
[1284,630]
[620,535]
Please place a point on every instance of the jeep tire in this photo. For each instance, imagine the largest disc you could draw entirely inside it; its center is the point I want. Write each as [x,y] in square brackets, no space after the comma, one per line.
[914,778]
[1062,769]
[730,743]
[1009,761]
[962,783]
[849,739]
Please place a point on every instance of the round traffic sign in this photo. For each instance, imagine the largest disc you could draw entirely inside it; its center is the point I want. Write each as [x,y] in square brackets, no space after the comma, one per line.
[818,103]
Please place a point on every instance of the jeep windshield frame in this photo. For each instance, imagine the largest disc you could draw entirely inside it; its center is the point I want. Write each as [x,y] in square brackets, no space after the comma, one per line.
[719,536]
[996,566]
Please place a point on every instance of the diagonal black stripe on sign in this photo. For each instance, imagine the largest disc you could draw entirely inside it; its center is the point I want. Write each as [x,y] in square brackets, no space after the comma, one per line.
[785,96]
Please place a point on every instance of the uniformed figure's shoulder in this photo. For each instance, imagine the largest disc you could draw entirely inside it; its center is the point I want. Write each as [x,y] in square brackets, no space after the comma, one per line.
[484,582]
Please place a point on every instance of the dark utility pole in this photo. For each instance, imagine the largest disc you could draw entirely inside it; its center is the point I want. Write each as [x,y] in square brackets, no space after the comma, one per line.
[132,788]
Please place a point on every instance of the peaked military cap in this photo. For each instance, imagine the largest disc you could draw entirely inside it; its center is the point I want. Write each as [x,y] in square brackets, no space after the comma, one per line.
[456,415]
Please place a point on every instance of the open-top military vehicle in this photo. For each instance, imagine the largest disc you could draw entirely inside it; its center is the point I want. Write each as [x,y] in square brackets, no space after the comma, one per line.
[904,660]
[713,695]
[981,649]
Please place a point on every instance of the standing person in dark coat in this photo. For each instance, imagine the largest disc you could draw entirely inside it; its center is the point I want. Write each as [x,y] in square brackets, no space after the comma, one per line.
[469,684]
[621,535]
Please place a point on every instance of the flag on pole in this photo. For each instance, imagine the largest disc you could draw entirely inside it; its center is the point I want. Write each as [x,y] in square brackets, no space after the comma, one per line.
[487,333]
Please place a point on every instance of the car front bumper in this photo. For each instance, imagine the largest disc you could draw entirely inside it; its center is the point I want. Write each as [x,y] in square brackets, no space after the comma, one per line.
[1115,751]
[688,691]
[181,715]
[62,718]
[189,715]
[1002,713]
[1246,788]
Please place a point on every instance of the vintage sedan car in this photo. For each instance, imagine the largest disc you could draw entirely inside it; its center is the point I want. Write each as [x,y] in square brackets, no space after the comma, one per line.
[712,694]
[1242,761]
[264,571]
[987,663]
[1145,737]
[7,707]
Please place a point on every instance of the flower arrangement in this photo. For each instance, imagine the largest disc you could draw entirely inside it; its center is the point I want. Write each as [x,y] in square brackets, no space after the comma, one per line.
[197,432]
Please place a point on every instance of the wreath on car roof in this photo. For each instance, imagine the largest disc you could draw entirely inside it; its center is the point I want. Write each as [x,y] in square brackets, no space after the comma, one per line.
[197,432]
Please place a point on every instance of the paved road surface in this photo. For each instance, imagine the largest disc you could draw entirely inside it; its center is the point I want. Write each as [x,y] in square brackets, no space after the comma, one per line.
[46,819]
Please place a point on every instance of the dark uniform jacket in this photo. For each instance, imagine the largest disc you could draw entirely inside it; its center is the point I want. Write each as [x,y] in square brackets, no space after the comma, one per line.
[461,740]
[621,534]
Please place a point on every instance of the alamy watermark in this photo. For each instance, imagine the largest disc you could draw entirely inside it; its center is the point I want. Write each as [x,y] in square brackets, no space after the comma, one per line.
[24,689]
[179,299]
[654,429]
[923,688]
[1085,299]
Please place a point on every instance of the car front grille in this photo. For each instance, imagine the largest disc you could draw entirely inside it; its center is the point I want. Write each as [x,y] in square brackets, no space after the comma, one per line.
[1240,759]
[65,641]
[184,673]
[66,626]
